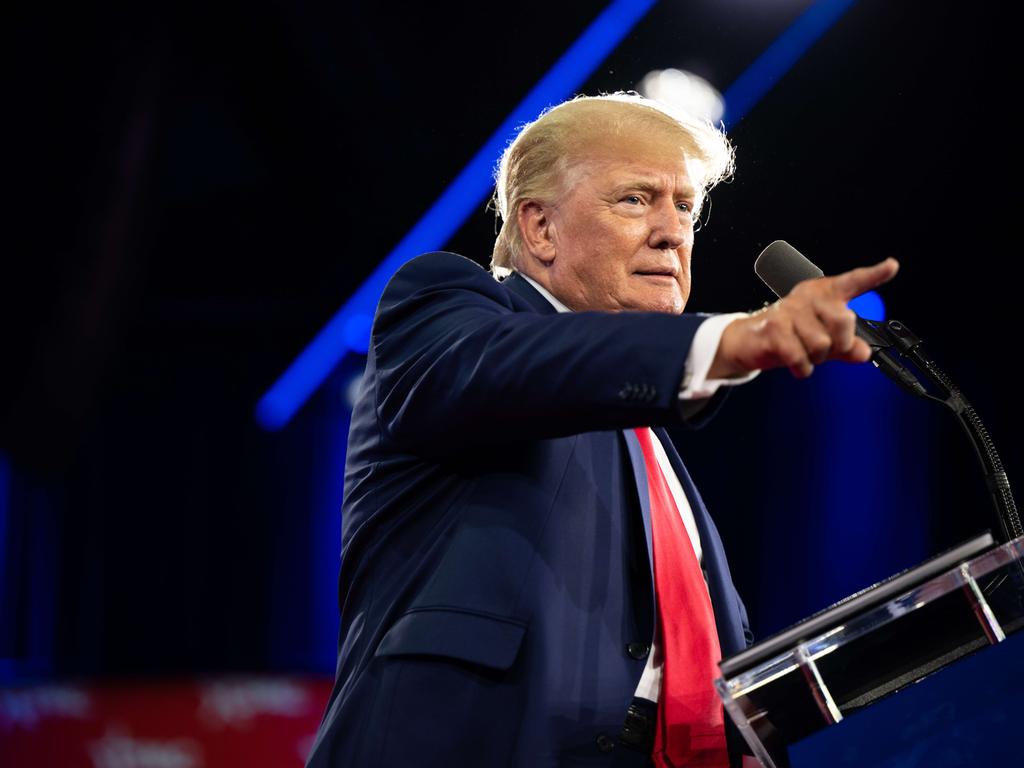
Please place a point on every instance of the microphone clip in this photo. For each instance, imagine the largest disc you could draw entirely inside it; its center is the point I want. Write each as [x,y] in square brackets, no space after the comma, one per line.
[890,341]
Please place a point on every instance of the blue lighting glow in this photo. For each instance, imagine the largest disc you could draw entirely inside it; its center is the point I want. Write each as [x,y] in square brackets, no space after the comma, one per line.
[869,306]
[779,58]
[349,329]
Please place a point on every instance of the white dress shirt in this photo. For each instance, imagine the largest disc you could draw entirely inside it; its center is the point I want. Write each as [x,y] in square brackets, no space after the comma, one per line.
[695,385]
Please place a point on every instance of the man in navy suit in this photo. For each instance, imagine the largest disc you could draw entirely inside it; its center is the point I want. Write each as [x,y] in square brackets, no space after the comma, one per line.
[497,596]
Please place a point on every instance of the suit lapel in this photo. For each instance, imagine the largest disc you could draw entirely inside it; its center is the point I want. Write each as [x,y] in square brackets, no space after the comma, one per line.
[720,587]
[636,458]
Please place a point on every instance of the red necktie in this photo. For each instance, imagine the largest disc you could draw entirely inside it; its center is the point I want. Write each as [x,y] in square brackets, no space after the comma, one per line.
[691,727]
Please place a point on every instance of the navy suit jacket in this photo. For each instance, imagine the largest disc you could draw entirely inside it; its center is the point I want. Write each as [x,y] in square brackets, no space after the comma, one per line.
[496,588]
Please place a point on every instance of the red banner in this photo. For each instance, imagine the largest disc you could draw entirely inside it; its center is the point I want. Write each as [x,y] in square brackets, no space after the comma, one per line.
[250,722]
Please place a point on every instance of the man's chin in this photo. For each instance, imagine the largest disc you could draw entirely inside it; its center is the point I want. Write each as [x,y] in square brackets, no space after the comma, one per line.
[671,303]
[658,293]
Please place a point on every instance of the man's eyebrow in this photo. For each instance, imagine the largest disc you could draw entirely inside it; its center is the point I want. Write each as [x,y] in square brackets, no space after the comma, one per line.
[653,187]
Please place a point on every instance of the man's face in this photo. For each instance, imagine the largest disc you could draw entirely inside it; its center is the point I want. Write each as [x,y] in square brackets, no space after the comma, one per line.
[623,230]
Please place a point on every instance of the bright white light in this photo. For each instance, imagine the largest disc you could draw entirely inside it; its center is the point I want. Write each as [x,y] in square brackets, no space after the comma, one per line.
[685,91]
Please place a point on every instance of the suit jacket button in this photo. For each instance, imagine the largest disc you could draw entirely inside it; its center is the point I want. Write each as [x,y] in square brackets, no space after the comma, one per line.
[604,743]
[638,650]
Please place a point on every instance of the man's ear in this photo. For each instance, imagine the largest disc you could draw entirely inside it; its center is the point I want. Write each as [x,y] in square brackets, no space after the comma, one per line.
[536,230]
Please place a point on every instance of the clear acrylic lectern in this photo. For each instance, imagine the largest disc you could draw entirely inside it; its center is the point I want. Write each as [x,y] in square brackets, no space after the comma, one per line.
[872,644]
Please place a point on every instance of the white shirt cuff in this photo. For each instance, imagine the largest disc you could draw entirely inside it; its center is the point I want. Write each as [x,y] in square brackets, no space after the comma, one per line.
[695,384]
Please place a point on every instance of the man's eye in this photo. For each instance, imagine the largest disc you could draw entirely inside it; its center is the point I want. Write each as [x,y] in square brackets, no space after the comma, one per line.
[632,199]
[685,207]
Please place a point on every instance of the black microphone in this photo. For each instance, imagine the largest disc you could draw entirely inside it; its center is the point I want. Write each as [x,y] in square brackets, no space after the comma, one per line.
[781,267]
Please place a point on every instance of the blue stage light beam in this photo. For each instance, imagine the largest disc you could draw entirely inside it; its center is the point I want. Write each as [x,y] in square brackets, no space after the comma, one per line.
[761,76]
[349,329]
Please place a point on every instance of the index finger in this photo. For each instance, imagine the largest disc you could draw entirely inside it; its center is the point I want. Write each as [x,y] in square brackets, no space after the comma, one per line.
[857,281]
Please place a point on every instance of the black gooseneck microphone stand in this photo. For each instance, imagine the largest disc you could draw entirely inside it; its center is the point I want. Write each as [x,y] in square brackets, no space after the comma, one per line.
[892,340]
[781,267]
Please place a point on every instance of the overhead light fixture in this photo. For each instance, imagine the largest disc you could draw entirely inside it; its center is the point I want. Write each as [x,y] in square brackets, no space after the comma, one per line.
[686,91]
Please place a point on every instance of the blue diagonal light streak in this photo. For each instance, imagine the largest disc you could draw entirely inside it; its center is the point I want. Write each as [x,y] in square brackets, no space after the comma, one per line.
[779,57]
[349,329]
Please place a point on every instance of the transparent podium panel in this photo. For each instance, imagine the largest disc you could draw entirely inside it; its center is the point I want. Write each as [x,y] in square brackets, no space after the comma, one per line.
[873,644]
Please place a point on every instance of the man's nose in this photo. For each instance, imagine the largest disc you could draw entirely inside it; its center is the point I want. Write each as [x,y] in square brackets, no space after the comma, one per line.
[670,227]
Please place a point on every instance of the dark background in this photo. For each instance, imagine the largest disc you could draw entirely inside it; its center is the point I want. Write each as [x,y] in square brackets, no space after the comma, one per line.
[197,188]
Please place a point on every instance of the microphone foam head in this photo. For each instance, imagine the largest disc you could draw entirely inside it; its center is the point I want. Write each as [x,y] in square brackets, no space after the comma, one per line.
[782,266]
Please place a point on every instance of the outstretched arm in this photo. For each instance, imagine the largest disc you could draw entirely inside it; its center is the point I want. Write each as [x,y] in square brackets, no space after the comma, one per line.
[458,363]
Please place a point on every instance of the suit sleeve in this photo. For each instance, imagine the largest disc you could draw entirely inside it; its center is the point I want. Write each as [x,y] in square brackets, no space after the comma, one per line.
[458,363]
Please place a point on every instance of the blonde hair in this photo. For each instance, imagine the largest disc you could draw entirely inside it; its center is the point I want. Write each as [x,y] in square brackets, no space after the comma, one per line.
[536,163]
